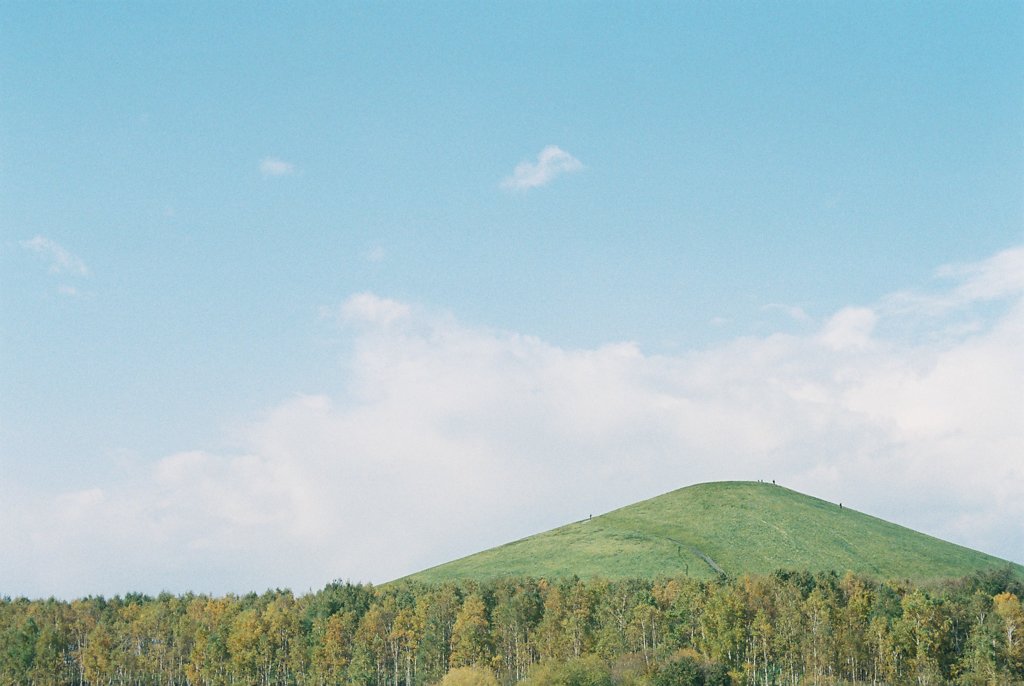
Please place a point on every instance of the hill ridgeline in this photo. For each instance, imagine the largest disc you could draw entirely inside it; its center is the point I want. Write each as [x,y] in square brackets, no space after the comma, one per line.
[731,527]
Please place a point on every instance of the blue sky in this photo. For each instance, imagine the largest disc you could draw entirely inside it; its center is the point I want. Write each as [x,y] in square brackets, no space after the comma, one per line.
[221,223]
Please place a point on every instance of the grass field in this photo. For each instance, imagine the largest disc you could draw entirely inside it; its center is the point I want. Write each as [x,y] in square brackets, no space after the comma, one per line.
[733,527]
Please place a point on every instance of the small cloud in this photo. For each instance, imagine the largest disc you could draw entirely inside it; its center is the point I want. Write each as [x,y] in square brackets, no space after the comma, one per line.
[999,277]
[80,500]
[832,201]
[373,309]
[794,312]
[69,291]
[849,329]
[61,260]
[375,254]
[272,166]
[551,162]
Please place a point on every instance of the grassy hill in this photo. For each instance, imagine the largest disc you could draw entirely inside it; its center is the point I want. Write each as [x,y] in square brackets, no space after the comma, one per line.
[732,527]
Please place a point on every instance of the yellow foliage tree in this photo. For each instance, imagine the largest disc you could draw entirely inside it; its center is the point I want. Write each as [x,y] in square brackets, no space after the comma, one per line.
[469,676]
[1009,609]
[470,636]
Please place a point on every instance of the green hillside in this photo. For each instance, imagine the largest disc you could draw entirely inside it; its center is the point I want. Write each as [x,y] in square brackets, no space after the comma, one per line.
[733,527]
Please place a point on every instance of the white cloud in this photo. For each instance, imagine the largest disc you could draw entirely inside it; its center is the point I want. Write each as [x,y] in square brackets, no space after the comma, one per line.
[375,254]
[998,277]
[272,166]
[448,438]
[551,163]
[794,312]
[61,260]
[850,327]
[372,309]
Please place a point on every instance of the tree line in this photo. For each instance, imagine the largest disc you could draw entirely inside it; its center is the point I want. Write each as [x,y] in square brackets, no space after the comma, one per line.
[790,628]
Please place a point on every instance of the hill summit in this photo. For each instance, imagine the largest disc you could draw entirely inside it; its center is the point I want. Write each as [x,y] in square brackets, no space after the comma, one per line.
[729,527]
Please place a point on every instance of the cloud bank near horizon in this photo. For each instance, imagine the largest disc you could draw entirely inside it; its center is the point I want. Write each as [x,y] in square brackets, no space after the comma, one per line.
[451,437]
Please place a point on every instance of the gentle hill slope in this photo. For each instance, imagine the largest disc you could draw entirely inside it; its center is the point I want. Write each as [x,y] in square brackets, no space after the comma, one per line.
[732,527]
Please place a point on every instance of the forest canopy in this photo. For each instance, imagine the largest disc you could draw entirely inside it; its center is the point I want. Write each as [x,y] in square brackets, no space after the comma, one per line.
[783,628]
